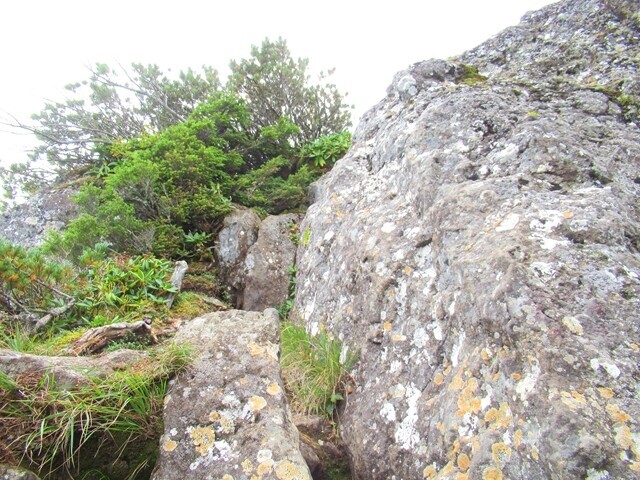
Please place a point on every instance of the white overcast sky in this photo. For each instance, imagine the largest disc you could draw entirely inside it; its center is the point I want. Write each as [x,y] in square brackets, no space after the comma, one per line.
[47,44]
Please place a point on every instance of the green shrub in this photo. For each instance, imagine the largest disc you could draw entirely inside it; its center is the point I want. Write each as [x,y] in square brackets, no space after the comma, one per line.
[325,151]
[311,369]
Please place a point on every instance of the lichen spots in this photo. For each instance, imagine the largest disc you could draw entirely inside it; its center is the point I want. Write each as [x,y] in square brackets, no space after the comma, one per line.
[247,466]
[462,476]
[397,337]
[492,473]
[256,403]
[516,376]
[387,326]
[265,467]
[517,438]
[500,453]
[169,445]
[567,214]
[534,453]
[605,392]
[467,402]
[624,437]
[274,389]
[255,350]
[616,414]
[463,461]
[485,353]
[500,418]
[635,347]
[286,470]
[573,325]
[440,427]
[429,472]
[635,466]
[573,400]
[457,383]
[438,379]
[203,438]
[226,477]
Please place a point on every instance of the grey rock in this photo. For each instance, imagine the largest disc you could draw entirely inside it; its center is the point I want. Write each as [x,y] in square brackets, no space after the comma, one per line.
[68,371]
[478,248]
[269,261]
[8,472]
[239,231]
[228,417]
[27,223]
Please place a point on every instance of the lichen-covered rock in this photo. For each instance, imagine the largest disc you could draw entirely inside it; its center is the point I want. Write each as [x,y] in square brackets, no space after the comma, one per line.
[8,472]
[239,231]
[228,417]
[478,247]
[26,224]
[269,261]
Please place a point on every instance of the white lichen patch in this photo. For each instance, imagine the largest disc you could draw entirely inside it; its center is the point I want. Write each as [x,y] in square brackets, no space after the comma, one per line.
[509,223]
[406,434]
[388,412]
[264,455]
[528,381]
[420,338]
[388,227]
[456,349]
[610,367]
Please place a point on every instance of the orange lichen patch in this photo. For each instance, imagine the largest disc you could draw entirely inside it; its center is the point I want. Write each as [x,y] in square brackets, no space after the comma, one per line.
[274,389]
[440,427]
[225,423]
[635,347]
[534,453]
[457,383]
[446,470]
[256,403]
[467,402]
[453,452]
[491,415]
[485,354]
[447,370]
[520,422]
[496,377]
[605,392]
[203,438]
[438,379]
[567,214]
[286,470]
[500,418]
[408,270]
[429,472]
[503,353]
[616,414]
[387,326]
[242,381]
[475,445]
[516,376]
[169,445]
[255,350]
[397,337]
[635,466]
[265,467]
[500,453]
[517,438]
[624,438]
[227,477]
[463,461]
[462,476]
[247,466]
[492,473]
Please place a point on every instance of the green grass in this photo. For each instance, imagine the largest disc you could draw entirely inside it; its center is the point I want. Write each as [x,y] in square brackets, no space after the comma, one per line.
[312,371]
[46,427]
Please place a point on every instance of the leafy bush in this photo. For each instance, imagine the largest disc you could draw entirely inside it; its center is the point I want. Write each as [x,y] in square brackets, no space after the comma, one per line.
[311,370]
[325,151]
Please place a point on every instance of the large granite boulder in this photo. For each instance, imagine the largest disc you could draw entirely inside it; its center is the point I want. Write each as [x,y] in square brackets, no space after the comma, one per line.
[239,231]
[27,223]
[269,261]
[228,417]
[478,248]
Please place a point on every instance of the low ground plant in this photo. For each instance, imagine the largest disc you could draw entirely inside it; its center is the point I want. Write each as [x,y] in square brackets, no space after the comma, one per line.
[50,428]
[312,371]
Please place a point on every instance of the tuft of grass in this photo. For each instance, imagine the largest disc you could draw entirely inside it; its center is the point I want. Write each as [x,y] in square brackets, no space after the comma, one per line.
[48,427]
[470,76]
[312,371]
[189,305]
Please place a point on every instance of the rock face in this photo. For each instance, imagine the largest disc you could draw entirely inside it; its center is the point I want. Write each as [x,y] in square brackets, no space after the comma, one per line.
[26,224]
[228,417]
[239,231]
[255,257]
[478,247]
[269,262]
